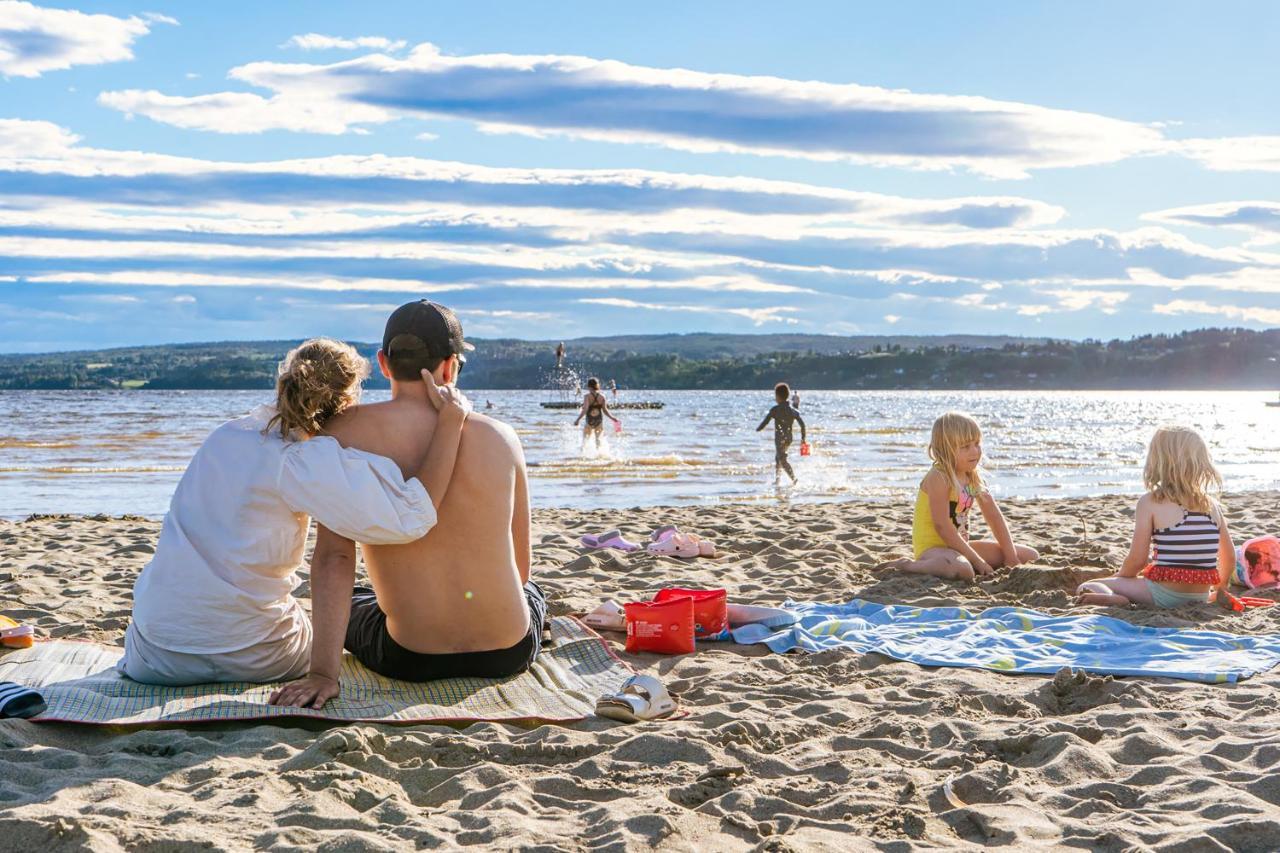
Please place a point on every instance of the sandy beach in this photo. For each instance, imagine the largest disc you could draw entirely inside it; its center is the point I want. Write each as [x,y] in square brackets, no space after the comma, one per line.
[829,751]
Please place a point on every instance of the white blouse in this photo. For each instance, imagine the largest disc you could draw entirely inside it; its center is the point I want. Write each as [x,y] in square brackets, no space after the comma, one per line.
[224,571]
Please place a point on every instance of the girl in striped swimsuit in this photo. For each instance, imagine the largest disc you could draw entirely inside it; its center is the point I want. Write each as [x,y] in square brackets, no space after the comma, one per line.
[1182,551]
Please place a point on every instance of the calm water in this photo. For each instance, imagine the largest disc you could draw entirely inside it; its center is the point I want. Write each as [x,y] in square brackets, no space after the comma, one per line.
[123,451]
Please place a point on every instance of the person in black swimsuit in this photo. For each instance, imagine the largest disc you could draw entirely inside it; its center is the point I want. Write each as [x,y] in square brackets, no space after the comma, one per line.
[784,416]
[595,409]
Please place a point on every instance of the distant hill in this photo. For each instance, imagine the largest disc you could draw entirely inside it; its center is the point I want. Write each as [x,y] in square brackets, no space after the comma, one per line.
[1204,359]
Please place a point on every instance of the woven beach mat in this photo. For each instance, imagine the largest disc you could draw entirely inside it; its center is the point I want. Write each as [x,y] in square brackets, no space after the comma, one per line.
[79,682]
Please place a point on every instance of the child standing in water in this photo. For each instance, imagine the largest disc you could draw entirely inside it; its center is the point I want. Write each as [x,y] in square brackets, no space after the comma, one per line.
[783,415]
[1182,551]
[595,408]
[940,528]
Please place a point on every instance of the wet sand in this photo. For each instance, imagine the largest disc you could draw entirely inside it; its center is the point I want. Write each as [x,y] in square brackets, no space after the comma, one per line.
[828,751]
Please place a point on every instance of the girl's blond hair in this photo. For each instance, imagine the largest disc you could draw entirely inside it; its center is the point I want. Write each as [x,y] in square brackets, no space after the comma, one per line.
[951,432]
[1179,469]
[317,380]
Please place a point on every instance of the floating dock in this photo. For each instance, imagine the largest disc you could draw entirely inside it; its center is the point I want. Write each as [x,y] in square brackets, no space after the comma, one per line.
[570,404]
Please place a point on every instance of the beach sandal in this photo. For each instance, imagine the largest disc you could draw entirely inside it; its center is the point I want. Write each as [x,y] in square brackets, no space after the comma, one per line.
[707,548]
[663,532]
[609,539]
[683,545]
[641,698]
[19,701]
[609,616]
[15,636]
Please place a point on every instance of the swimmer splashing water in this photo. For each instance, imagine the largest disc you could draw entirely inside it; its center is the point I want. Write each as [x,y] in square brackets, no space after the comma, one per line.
[595,408]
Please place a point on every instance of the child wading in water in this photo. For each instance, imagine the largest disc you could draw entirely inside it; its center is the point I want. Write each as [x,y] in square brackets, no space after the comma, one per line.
[940,528]
[784,416]
[595,408]
[1179,530]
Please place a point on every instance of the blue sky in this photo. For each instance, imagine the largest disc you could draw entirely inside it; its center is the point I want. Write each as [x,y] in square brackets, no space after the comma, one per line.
[183,172]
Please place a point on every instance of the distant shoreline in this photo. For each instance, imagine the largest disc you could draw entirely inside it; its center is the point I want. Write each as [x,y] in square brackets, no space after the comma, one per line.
[1207,359]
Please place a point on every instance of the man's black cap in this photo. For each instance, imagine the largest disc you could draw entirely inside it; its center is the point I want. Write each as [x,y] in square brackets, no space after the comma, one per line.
[424,325]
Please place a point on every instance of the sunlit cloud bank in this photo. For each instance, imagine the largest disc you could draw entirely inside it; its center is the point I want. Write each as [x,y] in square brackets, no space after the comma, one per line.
[35,39]
[129,243]
[586,98]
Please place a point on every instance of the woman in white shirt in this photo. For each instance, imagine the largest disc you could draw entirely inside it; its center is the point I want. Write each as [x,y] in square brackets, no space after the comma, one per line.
[216,601]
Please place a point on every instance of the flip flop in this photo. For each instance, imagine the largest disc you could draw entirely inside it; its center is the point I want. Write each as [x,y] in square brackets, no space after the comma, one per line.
[19,701]
[641,698]
[607,617]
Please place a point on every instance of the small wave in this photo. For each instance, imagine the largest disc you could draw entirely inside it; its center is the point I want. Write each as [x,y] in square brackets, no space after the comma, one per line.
[17,442]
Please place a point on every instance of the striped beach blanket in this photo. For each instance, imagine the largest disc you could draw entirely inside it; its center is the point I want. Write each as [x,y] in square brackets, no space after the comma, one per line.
[80,684]
[1018,640]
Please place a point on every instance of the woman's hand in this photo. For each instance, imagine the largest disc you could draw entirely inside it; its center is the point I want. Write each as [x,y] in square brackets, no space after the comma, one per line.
[445,397]
[310,692]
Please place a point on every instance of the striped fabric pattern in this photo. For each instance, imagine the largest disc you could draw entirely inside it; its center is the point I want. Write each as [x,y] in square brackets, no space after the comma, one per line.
[1190,544]
[19,701]
[80,684]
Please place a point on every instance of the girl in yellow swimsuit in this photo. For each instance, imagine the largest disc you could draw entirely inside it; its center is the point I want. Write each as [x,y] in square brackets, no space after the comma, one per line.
[940,527]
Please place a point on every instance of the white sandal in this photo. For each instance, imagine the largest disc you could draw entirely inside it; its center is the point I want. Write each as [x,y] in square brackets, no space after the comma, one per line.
[609,616]
[641,698]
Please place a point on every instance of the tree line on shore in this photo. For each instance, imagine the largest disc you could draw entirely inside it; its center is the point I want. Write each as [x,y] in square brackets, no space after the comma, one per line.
[1202,359]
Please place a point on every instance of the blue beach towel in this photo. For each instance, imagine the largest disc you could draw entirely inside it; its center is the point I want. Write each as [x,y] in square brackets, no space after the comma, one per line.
[1017,640]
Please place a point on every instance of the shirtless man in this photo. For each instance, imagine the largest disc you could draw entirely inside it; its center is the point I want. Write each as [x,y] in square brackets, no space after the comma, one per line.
[457,602]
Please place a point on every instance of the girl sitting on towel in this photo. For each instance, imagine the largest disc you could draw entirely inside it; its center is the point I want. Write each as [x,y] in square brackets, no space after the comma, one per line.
[216,601]
[940,528]
[1182,551]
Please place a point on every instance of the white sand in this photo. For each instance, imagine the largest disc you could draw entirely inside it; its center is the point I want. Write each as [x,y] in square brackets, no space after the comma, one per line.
[826,751]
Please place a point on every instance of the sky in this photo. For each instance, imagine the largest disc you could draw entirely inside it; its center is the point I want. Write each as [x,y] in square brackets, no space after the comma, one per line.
[175,172]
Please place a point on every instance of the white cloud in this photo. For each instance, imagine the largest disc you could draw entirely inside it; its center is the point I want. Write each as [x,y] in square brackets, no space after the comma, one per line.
[690,110]
[1235,153]
[34,139]
[35,39]
[757,316]
[157,18]
[1258,217]
[1246,314]
[1108,301]
[892,319]
[45,149]
[243,112]
[316,41]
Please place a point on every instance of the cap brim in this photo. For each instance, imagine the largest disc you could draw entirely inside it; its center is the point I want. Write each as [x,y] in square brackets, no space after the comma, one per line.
[468,346]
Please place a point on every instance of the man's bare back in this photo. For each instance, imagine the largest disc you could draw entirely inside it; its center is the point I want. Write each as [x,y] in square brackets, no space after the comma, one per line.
[460,587]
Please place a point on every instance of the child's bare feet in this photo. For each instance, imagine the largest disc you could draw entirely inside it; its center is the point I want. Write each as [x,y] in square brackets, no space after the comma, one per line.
[1102,599]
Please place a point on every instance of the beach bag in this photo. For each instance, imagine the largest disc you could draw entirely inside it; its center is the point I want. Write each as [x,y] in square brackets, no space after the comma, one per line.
[665,628]
[1258,563]
[710,611]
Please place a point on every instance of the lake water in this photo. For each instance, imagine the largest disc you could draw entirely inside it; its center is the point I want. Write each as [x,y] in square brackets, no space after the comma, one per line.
[123,451]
